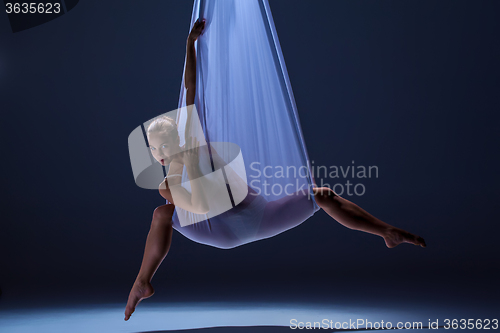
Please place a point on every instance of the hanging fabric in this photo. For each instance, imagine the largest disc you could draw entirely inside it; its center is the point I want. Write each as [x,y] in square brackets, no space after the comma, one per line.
[244,97]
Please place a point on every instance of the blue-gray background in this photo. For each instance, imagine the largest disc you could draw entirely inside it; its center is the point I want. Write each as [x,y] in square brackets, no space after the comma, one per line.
[409,86]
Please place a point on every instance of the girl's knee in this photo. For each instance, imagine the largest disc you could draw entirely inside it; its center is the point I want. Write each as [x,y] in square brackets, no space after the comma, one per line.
[164,213]
[323,195]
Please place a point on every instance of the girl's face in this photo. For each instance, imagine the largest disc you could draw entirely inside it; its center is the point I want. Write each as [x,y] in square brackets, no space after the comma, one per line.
[163,147]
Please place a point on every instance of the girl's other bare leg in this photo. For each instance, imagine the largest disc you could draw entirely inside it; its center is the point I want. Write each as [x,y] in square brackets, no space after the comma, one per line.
[354,217]
[157,246]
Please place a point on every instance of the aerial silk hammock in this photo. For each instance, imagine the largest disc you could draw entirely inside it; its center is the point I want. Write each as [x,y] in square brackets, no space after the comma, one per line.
[245,113]
[244,96]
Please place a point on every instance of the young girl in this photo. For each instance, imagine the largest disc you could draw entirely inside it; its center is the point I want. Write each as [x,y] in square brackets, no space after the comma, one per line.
[273,217]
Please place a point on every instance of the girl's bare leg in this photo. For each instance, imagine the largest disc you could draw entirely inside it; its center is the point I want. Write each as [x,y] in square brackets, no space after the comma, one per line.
[354,217]
[157,246]
[292,210]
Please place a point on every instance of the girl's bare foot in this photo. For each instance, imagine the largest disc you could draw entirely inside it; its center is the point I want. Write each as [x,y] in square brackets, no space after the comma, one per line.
[140,290]
[396,236]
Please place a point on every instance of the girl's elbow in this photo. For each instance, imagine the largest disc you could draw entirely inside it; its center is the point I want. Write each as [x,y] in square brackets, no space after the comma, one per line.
[201,209]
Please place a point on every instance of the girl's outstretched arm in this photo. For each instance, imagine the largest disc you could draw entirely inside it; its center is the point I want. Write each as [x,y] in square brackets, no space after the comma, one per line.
[190,73]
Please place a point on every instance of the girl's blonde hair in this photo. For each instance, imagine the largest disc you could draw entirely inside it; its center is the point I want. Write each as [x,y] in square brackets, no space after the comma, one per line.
[163,124]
